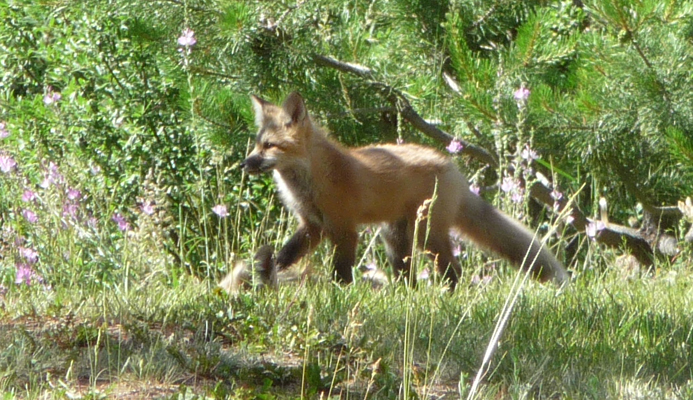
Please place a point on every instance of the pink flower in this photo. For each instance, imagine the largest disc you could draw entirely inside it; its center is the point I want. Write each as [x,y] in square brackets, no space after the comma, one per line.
[371,266]
[29,216]
[556,195]
[123,225]
[28,196]
[474,188]
[24,274]
[400,140]
[521,94]
[19,241]
[147,207]
[424,275]
[70,210]
[51,175]
[51,97]
[455,146]
[220,210]
[529,154]
[518,196]
[593,228]
[187,39]
[74,194]
[457,250]
[3,130]
[29,255]
[509,184]
[7,163]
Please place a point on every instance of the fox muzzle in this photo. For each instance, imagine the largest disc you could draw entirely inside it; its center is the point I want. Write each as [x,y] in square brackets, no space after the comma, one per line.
[254,164]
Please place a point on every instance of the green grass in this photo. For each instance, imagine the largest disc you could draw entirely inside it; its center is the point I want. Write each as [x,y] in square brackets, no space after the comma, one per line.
[604,336]
[116,310]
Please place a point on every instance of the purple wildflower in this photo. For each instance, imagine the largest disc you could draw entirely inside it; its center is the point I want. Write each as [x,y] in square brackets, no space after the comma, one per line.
[518,196]
[29,255]
[424,275]
[7,163]
[529,154]
[474,188]
[556,195]
[24,274]
[371,266]
[51,97]
[593,228]
[51,175]
[220,210]
[74,194]
[19,240]
[147,207]
[28,196]
[522,94]
[29,216]
[70,210]
[123,225]
[187,39]
[400,140]
[457,250]
[455,146]
[509,184]
[3,130]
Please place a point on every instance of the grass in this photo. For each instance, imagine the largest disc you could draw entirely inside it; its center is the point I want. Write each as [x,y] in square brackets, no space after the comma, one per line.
[100,309]
[602,337]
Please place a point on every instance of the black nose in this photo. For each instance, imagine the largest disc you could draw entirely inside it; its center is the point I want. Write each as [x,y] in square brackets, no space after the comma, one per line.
[253,164]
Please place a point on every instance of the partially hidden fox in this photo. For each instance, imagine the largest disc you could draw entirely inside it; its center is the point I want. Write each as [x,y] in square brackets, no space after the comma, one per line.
[333,190]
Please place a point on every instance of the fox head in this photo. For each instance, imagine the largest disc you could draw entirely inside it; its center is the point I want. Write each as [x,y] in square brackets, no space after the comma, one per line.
[283,134]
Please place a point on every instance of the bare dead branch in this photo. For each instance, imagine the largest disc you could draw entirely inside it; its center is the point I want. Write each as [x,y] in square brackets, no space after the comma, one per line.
[610,234]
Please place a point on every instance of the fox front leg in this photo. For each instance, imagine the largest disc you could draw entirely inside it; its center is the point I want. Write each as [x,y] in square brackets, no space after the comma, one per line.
[304,240]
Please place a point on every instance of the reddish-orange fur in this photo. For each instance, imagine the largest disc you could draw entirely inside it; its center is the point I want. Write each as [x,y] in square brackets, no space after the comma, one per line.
[332,190]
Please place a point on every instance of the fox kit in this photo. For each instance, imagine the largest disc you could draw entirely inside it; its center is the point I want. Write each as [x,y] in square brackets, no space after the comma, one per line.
[332,190]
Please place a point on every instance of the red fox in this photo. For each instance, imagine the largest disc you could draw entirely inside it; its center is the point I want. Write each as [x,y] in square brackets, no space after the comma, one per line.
[332,190]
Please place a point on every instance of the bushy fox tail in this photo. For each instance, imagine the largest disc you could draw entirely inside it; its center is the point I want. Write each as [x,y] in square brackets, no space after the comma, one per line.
[494,230]
[263,272]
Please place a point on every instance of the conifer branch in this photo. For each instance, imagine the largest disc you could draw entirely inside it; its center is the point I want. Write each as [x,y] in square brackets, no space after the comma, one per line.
[610,234]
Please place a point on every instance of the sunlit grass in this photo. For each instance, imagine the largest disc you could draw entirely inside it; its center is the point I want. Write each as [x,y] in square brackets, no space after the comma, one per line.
[601,337]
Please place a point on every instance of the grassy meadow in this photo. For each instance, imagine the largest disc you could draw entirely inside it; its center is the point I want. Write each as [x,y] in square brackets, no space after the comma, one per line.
[122,324]
[122,204]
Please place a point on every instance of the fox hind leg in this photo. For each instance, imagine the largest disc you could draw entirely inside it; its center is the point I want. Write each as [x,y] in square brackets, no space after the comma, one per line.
[438,243]
[397,237]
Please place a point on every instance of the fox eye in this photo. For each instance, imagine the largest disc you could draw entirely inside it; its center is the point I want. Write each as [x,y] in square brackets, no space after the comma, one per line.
[268,145]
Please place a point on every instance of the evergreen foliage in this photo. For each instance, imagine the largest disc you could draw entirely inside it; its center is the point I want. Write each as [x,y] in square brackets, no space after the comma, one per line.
[123,122]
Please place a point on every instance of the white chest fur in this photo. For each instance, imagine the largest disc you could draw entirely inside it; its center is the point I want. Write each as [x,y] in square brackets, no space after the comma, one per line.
[297,194]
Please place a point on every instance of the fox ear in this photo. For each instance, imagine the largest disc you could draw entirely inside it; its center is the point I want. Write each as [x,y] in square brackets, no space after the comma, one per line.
[259,108]
[295,107]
